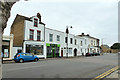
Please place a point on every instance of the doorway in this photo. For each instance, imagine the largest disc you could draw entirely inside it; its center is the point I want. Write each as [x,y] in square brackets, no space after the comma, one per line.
[75,52]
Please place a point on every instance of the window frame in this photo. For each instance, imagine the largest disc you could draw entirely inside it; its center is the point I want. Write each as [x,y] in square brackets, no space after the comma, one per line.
[50,37]
[58,37]
[35,22]
[38,31]
[71,40]
[31,35]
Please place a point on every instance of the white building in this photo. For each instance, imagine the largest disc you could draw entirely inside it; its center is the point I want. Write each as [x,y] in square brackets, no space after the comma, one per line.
[31,36]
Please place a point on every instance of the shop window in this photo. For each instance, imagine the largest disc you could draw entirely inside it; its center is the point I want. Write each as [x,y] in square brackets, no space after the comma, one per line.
[50,37]
[49,51]
[38,35]
[6,53]
[34,49]
[70,51]
[31,34]
[35,22]
[19,51]
[58,38]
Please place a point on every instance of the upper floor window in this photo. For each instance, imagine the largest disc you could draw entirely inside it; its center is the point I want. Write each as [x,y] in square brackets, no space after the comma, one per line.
[31,34]
[38,35]
[58,38]
[35,22]
[50,37]
[91,42]
[75,41]
[66,39]
[71,40]
[85,41]
[94,43]
[81,43]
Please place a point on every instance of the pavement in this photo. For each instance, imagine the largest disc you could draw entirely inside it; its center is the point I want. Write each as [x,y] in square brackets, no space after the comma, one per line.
[113,75]
[42,59]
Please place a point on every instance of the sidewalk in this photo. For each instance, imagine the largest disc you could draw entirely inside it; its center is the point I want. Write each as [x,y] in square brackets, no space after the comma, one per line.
[113,75]
[12,61]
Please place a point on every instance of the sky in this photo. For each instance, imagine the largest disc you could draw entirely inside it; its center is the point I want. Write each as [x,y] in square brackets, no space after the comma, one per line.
[98,18]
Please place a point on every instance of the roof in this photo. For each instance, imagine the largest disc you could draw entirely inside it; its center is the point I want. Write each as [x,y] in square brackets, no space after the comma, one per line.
[88,36]
[25,18]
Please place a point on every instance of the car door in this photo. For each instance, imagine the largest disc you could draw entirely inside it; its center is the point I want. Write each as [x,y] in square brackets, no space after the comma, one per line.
[30,56]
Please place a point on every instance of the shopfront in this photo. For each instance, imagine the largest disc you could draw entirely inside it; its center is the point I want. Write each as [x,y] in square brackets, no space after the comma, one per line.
[53,50]
[6,48]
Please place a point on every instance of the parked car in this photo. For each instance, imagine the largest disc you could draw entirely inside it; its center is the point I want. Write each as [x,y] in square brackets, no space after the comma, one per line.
[21,57]
[96,54]
[88,54]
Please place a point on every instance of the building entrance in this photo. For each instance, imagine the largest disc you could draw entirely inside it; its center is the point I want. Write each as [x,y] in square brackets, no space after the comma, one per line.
[52,50]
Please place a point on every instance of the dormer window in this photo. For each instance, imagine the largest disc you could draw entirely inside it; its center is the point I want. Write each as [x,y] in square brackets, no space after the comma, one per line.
[35,22]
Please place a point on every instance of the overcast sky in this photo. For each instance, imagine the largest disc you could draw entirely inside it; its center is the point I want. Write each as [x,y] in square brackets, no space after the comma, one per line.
[99,18]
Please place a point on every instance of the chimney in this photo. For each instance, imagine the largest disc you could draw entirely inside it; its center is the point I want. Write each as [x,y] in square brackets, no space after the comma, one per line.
[82,34]
[39,16]
[88,35]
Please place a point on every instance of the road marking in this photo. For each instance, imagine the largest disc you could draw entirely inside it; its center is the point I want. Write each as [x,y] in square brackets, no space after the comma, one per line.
[106,73]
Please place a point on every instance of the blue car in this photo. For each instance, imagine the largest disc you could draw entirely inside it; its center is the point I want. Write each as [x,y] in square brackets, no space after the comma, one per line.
[21,57]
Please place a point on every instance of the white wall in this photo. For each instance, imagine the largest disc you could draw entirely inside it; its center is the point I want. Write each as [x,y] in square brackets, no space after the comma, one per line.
[30,25]
[62,41]
[14,50]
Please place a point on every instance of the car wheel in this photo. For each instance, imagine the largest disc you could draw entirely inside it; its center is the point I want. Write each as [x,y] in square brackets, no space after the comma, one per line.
[21,60]
[36,60]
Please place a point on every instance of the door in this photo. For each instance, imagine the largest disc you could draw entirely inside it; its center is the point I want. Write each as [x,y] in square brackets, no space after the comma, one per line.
[53,51]
[28,57]
[61,53]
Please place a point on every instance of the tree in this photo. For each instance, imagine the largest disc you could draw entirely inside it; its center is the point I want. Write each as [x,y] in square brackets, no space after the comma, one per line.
[115,46]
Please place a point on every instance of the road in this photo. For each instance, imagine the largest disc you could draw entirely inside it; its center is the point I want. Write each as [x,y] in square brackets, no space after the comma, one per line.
[79,67]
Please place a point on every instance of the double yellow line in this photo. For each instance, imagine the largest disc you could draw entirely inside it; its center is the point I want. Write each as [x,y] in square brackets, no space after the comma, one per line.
[106,73]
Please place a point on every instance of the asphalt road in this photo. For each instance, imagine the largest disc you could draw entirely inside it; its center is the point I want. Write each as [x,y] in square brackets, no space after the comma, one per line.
[79,67]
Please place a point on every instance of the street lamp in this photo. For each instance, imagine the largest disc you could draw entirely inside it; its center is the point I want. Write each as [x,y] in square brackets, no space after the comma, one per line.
[67,32]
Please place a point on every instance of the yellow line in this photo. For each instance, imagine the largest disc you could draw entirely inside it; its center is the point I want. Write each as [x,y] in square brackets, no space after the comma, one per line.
[109,73]
[105,73]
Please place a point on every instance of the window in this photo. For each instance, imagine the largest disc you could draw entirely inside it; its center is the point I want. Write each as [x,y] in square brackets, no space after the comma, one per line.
[38,35]
[91,42]
[66,39]
[85,41]
[71,40]
[58,38]
[35,22]
[94,43]
[81,50]
[19,51]
[34,49]
[81,43]
[75,41]
[31,34]
[50,37]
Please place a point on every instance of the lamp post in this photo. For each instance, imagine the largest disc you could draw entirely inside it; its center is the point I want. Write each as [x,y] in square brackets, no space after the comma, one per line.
[67,32]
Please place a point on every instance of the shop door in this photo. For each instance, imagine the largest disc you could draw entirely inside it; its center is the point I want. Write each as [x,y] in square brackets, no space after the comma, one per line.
[53,51]
[61,53]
